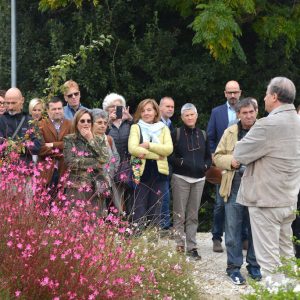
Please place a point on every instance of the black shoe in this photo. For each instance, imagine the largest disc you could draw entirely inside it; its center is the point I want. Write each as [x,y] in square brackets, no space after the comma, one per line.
[194,254]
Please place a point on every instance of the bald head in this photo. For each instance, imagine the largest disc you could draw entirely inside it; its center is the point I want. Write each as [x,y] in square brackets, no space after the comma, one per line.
[232,92]
[14,101]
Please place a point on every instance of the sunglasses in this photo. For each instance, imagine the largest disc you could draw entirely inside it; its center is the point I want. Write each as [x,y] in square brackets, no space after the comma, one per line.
[82,121]
[73,94]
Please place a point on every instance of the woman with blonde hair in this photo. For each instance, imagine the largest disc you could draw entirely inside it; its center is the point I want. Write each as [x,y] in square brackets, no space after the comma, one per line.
[150,140]
[36,108]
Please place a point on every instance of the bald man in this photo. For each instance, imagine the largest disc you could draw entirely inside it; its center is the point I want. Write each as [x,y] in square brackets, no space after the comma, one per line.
[14,124]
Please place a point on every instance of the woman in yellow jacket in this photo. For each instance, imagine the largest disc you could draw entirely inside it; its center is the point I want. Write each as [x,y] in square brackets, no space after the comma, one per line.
[150,140]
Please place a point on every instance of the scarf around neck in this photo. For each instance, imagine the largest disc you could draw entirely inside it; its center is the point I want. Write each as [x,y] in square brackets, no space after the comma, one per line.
[151,132]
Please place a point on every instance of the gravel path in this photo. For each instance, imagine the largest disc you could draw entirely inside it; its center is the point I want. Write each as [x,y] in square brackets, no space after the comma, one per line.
[210,273]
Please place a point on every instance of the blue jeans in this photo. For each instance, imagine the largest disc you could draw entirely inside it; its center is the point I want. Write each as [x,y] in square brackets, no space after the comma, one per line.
[219,218]
[165,209]
[235,214]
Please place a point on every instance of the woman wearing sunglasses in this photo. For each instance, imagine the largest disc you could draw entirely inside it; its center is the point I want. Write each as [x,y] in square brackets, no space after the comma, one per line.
[85,155]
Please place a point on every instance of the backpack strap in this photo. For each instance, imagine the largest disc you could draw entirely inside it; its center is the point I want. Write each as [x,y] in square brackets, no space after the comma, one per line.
[19,127]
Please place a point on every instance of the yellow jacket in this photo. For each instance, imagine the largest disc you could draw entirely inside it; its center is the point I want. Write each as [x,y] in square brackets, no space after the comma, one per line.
[223,157]
[164,148]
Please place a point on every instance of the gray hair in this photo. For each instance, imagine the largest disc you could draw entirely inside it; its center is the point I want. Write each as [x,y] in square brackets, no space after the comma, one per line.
[98,113]
[111,98]
[188,106]
[284,88]
[245,103]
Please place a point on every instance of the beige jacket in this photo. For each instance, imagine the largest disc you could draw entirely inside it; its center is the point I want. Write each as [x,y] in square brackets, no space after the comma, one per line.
[223,157]
[271,151]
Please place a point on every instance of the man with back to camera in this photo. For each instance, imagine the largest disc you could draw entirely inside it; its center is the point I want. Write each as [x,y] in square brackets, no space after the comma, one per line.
[72,97]
[236,214]
[221,117]
[166,107]
[270,185]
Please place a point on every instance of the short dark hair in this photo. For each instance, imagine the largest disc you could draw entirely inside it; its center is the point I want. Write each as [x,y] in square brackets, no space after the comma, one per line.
[2,93]
[284,88]
[54,99]
[245,103]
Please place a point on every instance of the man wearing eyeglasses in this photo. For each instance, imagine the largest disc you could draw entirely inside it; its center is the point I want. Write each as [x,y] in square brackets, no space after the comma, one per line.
[72,97]
[15,125]
[222,117]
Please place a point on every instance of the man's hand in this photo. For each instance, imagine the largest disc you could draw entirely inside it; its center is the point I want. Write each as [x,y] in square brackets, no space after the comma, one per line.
[235,164]
[49,145]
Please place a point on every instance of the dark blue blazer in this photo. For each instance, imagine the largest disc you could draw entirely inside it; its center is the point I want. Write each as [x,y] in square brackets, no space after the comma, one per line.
[217,123]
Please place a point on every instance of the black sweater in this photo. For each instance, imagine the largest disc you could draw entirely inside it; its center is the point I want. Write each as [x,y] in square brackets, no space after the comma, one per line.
[191,156]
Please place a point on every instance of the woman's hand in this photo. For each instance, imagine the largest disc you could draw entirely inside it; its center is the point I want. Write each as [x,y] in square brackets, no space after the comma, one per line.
[145,145]
[87,134]
[126,114]
[142,156]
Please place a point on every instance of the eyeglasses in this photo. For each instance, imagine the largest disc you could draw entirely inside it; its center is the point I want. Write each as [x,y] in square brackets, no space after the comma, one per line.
[2,103]
[88,121]
[73,94]
[10,103]
[232,92]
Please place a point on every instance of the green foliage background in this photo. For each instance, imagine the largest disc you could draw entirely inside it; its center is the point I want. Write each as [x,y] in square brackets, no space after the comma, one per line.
[152,52]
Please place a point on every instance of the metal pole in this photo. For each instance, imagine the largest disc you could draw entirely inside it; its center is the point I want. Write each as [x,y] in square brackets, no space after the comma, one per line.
[13,45]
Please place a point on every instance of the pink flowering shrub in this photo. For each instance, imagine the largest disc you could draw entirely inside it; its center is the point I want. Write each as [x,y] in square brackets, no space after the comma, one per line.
[63,250]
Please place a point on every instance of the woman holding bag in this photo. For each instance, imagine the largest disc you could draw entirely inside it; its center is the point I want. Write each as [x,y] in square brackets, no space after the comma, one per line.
[149,140]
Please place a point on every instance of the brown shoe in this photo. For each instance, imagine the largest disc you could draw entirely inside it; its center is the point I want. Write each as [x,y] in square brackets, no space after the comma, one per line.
[217,246]
[180,249]
[245,244]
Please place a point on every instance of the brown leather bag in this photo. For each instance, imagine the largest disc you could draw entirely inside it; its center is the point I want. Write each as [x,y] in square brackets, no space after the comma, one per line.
[213,175]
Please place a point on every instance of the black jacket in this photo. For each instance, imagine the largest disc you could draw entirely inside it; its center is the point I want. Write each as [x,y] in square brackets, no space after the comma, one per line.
[8,125]
[191,156]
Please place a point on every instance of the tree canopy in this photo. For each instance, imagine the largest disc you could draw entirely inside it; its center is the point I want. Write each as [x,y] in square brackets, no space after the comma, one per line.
[186,49]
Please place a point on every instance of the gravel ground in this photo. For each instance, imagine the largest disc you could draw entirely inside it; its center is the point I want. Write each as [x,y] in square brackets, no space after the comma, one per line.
[210,273]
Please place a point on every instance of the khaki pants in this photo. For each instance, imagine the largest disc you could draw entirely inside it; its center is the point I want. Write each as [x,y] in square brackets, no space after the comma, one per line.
[186,203]
[272,235]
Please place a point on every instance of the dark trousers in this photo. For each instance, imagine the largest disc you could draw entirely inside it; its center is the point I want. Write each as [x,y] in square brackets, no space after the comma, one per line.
[147,200]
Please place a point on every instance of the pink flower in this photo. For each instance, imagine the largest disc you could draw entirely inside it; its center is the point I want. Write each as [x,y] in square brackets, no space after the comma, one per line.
[9,243]
[19,245]
[52,257]
[109,293]
[57,242]
[90,170]
[142,269]
[44,281]
[17,293]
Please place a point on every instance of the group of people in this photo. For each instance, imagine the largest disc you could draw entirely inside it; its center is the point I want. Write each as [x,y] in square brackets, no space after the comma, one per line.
[260,162]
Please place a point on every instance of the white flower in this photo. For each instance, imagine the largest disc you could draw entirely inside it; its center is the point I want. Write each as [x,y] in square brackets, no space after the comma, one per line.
[296,288]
